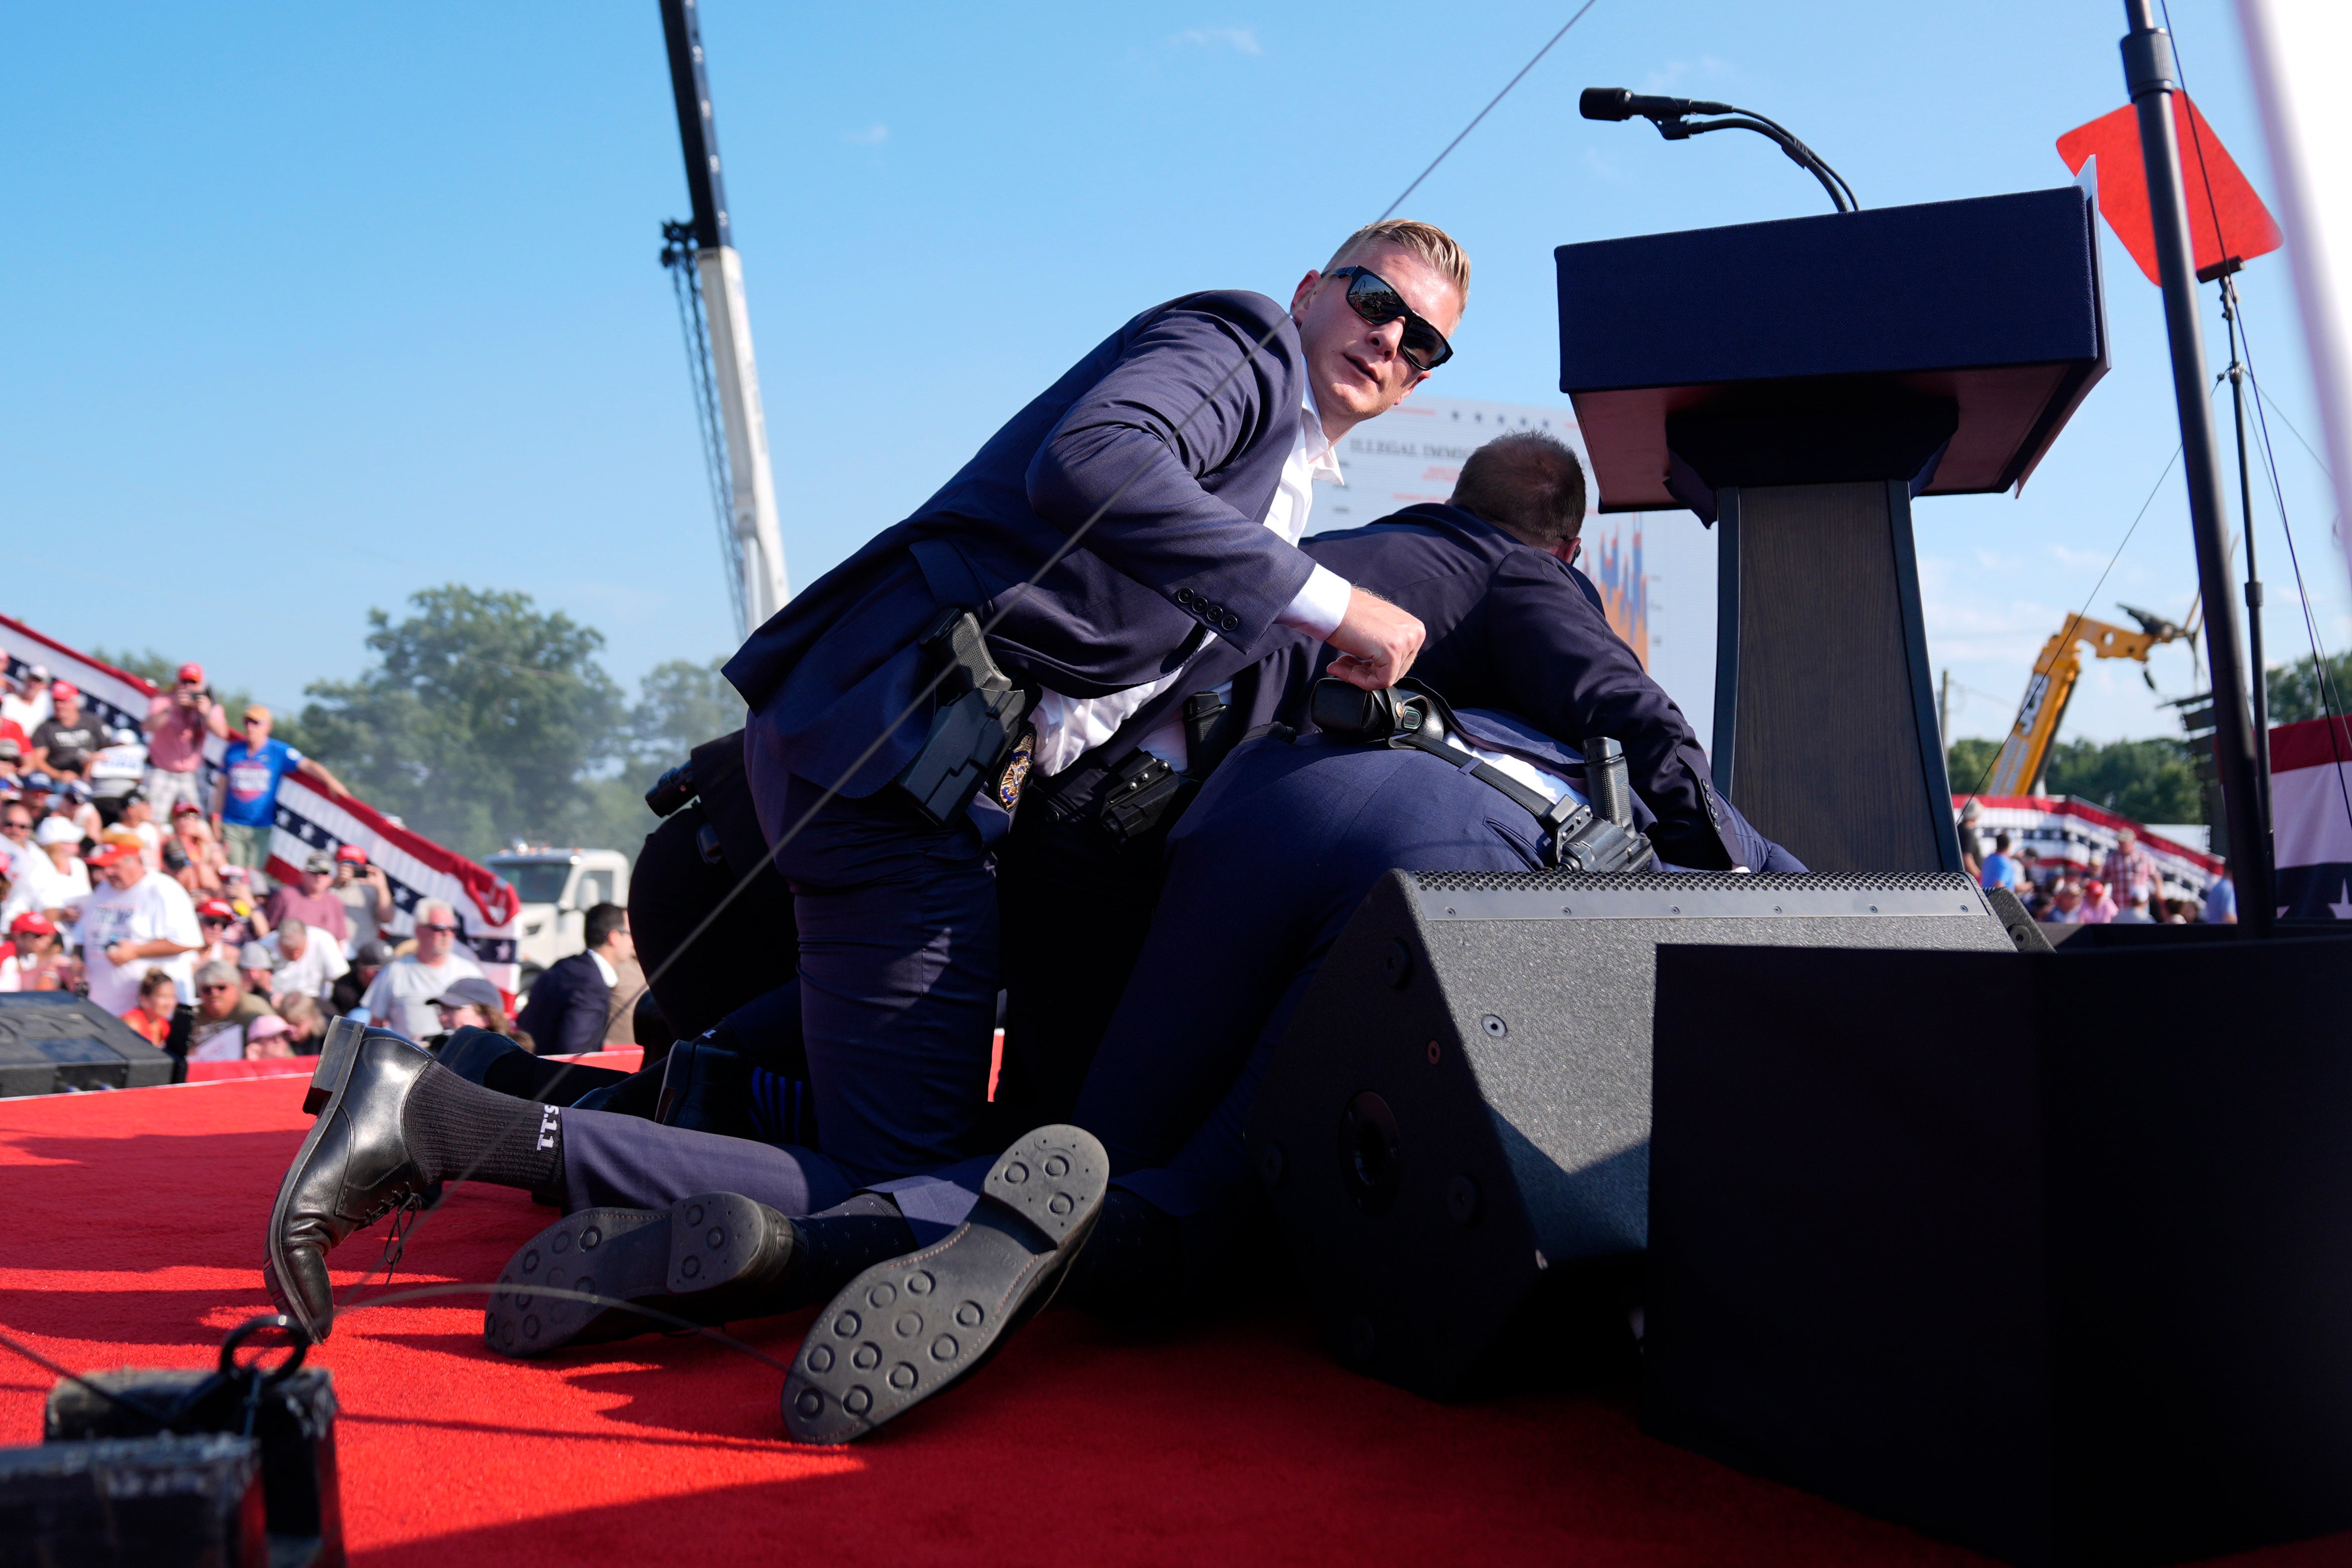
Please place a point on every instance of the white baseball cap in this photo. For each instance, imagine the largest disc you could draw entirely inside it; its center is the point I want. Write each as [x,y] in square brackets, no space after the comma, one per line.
[57,830]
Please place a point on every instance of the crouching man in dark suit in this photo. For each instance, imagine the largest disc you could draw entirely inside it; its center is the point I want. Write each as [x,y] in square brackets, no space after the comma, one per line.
[570,1002]
[1155,494]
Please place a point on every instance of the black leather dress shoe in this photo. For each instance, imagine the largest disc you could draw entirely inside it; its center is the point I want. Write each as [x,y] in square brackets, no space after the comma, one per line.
[707,1088]
[711,1259]
[904,1330]
[354,1167]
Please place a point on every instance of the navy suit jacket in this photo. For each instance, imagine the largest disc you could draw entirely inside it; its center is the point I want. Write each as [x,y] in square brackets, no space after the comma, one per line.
[1517,628]
[1173,429]
[568,1006]
[1263,871]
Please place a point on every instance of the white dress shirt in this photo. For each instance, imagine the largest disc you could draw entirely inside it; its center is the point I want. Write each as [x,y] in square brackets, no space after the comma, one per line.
[1069,727]
[604,967]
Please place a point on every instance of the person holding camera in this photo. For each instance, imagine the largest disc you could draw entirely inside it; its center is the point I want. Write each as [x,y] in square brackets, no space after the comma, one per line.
[366,896]
[178,722]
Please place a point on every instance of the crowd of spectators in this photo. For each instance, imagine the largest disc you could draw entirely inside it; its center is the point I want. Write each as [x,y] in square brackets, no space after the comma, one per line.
[2126,888]
[127,879]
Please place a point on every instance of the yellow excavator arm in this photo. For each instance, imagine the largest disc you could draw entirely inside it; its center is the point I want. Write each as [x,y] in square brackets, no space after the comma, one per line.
[2052,687]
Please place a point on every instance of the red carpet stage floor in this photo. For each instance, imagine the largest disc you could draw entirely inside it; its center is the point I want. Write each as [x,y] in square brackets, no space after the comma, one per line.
[131,1234]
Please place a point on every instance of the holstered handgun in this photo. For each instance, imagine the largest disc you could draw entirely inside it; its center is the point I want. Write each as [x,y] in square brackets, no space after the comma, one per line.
[1143,790]
[977,729]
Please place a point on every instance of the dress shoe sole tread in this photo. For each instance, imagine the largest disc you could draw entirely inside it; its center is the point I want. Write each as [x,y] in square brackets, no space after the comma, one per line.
[913,1325]
[682,1260]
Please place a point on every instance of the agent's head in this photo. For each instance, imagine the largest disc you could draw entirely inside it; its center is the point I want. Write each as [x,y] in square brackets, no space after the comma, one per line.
[1529,485]
[1374,320]
[256,724]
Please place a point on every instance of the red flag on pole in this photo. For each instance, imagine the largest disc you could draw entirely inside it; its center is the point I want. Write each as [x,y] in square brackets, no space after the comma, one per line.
[2226,218]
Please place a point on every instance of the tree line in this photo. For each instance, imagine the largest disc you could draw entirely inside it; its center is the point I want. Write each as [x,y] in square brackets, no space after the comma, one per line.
[482,719]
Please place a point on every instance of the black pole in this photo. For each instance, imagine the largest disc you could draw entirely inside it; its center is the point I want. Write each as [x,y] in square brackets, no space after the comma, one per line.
[698,134]
[2148,74]
[2260,671]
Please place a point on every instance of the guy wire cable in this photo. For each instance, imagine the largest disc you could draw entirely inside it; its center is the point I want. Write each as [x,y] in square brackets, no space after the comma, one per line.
[2239,335]
[529,1109]
[2075,618]
[2328,706]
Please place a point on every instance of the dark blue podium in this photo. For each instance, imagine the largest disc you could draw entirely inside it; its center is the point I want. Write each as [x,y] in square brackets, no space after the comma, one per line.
[1798,384]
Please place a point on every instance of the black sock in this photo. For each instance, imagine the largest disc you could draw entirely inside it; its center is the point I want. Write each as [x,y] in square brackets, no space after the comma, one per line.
[459,1131]
[526,1077]
[1131,1268]
[832,1249]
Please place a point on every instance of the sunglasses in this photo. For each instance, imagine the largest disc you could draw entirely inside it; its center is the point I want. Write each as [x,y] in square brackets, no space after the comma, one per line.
[1423,345]
[208,990]
[216,921]
[436,928]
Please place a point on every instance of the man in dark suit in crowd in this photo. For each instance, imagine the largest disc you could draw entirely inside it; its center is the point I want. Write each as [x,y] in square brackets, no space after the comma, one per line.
[570,1002]
[1155,494]
[1512,626]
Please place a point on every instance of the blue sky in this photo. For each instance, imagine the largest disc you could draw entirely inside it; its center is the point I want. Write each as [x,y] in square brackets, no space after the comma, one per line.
[309,307]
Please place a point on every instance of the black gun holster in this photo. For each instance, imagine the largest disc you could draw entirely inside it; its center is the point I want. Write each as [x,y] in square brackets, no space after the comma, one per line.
[1143,791]
[981,734]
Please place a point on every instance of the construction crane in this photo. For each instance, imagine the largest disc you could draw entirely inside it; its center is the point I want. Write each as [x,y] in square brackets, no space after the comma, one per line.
[710,282]
[2017,769]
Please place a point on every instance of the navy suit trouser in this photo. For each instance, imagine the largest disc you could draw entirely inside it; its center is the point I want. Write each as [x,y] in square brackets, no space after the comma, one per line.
[898,974]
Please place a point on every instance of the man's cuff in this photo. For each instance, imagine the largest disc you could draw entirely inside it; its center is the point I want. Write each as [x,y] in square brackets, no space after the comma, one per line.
[1320,605]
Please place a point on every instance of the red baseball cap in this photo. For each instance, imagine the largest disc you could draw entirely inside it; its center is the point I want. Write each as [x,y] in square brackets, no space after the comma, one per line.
[352,853]
[32,922]
[110,853]
[63,688]
[195,672]
[187,808]
[218,908]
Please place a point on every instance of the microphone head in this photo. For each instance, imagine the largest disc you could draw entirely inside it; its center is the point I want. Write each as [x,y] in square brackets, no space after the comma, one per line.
[1606,103]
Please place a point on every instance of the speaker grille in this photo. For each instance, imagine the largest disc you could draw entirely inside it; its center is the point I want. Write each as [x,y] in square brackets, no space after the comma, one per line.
[1686,881]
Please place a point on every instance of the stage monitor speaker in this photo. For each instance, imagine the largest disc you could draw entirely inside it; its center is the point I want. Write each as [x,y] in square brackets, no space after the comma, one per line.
[53,1041]
[1460,1111]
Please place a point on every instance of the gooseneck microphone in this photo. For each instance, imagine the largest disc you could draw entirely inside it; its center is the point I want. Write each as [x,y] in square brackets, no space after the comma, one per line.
[1671,116]
[1618,103]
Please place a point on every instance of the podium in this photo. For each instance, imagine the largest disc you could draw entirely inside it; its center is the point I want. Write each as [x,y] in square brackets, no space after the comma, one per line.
[1798,384]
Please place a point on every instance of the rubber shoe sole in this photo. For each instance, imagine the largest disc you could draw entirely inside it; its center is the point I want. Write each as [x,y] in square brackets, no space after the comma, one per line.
[907,1328]
[681,1261]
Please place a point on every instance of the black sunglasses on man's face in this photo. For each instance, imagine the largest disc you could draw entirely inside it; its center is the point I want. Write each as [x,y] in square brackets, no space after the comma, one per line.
[1423,345]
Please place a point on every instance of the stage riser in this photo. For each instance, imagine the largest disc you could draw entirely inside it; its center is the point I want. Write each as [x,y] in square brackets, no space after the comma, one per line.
[2044,1257]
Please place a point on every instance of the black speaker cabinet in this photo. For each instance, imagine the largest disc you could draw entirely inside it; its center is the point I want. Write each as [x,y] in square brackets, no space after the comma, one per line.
[2048,1257]
[52,1041]
[1461,1108]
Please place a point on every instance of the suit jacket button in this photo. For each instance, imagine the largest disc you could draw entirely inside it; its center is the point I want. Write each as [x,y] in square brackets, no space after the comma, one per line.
[1184,596]
[1232,623]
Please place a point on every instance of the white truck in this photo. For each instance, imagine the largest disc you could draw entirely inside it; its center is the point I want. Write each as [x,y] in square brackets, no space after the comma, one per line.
[556,889]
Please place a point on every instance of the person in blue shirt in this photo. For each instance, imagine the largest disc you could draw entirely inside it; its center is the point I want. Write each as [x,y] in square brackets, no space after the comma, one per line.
[245,803]
[2221,899]
[1999,870]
